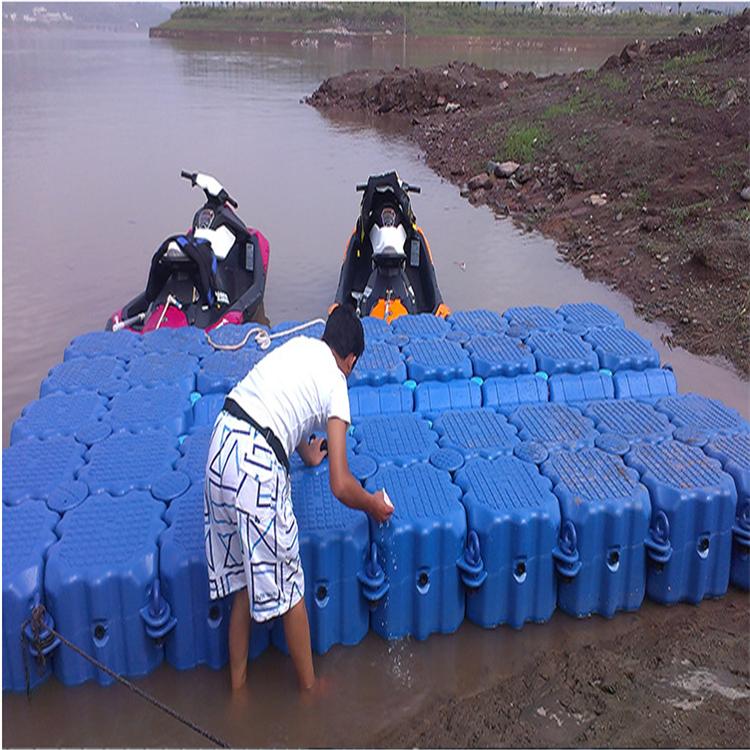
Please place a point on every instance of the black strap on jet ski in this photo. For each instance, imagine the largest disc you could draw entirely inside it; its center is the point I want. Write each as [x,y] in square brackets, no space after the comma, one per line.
[199,252]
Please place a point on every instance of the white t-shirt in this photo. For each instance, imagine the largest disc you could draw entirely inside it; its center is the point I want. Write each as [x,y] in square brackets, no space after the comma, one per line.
[295,390]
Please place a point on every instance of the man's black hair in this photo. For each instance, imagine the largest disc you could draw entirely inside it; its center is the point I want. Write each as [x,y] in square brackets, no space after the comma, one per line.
[344,332]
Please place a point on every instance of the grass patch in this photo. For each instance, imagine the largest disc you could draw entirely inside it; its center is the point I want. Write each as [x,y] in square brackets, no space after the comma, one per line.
[522,142]
[682,62]
[585,140]
[681,213]
[641,197]
[700,93]
[573,104]
[743,214]
[614,82]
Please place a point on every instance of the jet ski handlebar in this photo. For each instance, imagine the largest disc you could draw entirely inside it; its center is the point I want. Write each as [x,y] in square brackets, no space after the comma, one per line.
[405,185]
[211,187]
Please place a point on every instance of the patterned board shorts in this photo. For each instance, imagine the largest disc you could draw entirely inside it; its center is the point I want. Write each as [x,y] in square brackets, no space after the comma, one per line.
[252,537]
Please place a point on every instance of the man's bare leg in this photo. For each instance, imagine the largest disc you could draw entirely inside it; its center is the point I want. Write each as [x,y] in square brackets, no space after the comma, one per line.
[239,638]
[297,632]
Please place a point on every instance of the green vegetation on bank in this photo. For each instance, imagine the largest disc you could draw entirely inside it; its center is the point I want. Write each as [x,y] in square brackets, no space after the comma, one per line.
[432,19]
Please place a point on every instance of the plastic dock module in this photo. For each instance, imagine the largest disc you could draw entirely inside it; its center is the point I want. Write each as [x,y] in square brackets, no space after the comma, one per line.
[194,454]
[434,397]
[576,389]
[28,531]
[58,414]
[206,409]
[645,385]
[506,394]
[127,461]
[103,375]
[475,322]
[497,355]
[633,420]
[436,359]
[146,408]
[476,432]
[379,364]
[200,632]
[124,345]
[604,513]
[516,520]
[221,371]
[534,318]
[175,369]
[188,340]
[621,349]
[40,469]
[590,315]
[399,439]
[693,510]
[422,326]
[560,351]
[376,329]
[107,554]
[366,401]
[553,425]
[333,542]
[733,451]
[412,575]
[312,331]
[699,414]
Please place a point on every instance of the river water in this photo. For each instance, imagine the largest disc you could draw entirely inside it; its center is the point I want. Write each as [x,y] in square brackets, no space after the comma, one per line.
[96,128]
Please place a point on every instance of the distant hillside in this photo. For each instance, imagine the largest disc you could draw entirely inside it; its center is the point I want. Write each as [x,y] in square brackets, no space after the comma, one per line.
[83,14]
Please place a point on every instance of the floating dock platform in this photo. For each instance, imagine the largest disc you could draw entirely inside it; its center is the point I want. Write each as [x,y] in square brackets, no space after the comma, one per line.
[537,459]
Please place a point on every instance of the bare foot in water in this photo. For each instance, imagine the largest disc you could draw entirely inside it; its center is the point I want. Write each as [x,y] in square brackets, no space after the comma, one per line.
[321,689]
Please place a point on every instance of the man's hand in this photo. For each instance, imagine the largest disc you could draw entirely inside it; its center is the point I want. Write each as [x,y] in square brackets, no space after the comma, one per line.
[379,509]
[313,452]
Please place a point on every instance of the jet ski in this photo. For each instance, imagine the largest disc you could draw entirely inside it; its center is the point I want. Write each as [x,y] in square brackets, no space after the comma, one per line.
[213,274]
[387,270]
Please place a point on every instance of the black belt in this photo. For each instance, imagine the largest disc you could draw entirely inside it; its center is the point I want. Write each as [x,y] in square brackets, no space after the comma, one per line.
[233,408]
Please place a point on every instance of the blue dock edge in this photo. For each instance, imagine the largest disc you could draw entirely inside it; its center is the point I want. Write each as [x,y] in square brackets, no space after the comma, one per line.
[537,459]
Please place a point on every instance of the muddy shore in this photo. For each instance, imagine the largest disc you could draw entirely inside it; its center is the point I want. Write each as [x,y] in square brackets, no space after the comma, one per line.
[640,170]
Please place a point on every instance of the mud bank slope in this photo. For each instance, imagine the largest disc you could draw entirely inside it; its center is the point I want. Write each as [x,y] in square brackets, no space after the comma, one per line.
[640,170]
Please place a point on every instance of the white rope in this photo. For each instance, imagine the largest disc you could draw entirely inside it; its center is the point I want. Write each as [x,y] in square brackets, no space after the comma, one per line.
[262,337]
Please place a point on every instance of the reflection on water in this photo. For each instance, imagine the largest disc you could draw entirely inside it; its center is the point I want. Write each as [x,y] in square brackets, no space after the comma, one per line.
[96,130]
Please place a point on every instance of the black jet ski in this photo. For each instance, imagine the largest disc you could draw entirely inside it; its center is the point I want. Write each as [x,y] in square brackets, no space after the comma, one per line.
[388,270]
[213,274]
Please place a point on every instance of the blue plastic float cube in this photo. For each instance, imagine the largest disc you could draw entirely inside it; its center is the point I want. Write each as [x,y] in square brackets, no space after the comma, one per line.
[103,375]
[702,414]
[221,371]
[554,425]
[314,331]
[635,421]
[398,439]
[534,317]
[124,345]
[516,521]
[622,349]
[58,414]
[127,461]
[476,432]
[174,369]
[376,329]
[380,363]
[436,359]
[733,451]
[412,576]
[102,584]
[476,322]
[561,351]
[188,340]
[590,315]
[38,469]
[645,385]
[28,532]
[194,454]
[366,400]
[605,513]
[199,635]
[506,394]
[334,541]
[206,409]
[496,355]
[694,504]
[243,336]
[421,326]
[146,408]
[577,389]
[434,397]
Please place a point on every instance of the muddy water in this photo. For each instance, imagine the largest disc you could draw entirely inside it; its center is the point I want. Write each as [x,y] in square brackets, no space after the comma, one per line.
[96,129]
